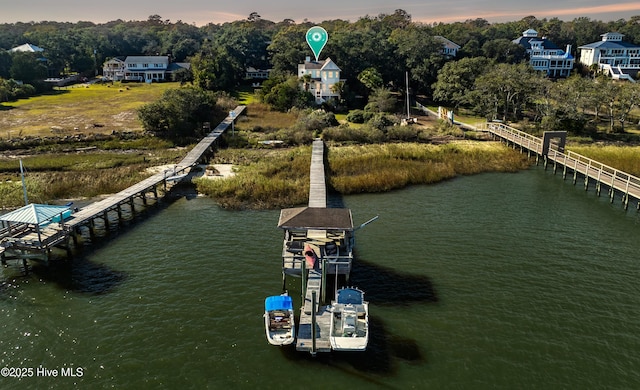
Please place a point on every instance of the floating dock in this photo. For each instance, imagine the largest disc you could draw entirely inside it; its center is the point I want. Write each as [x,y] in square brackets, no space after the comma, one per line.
[313,328]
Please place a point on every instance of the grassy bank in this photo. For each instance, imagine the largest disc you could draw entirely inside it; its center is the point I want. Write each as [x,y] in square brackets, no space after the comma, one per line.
[624,158]
[99,108]
[376,168]
[280,178]
[53,177]
[264,179]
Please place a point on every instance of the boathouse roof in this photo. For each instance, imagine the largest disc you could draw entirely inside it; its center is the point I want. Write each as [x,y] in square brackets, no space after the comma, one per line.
[34,214]
[316,218]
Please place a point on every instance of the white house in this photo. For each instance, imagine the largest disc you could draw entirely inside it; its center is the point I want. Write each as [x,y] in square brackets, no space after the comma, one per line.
[26,48]
[113,69]
[137,68]
[619,59]
[323,76]
[257,74]
[449,48]
[545,56]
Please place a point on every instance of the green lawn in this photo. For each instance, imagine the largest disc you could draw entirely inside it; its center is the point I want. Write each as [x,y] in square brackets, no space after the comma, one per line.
[98,108]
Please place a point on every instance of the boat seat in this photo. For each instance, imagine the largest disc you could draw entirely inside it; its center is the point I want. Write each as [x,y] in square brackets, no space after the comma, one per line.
[331,249]
[295,246]
[349,324]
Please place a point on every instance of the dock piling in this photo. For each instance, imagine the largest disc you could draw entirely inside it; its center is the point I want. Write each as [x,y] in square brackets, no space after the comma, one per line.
[29,248]
[323,289]
[313,323]
[616,180]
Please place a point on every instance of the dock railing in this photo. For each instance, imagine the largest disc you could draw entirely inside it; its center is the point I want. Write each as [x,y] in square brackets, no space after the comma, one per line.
[615,179]
[521,138]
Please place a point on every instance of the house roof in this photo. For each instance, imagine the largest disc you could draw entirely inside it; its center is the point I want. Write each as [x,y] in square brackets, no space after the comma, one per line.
[446,41]
[34,214]
[252,69]
[610,45]
[316,218]
[327,64]
[526,43]
[27,47]
[174,66]
[147,59]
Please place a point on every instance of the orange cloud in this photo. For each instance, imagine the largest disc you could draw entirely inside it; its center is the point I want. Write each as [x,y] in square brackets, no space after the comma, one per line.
[574,12]
[204,18]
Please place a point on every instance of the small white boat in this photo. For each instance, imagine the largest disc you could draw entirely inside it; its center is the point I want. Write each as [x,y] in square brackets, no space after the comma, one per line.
[279,322]
[349,329]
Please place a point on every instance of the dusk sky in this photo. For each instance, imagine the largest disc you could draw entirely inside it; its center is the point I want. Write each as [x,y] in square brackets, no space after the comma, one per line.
[201,12]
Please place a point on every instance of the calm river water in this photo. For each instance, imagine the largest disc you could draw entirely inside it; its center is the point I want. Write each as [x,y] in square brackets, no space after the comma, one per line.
[495,281]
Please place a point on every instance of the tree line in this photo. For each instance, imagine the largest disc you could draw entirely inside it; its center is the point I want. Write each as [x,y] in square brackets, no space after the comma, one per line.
[373,52]
[390,43]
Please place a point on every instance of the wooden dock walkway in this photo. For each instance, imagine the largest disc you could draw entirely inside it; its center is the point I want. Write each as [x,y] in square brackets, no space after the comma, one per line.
[306,339]
[590,170]
[140,189]
[36,244]
[317,184]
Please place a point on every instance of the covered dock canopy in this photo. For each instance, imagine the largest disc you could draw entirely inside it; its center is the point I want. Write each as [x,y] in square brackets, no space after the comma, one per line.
[34,214]
[319,218]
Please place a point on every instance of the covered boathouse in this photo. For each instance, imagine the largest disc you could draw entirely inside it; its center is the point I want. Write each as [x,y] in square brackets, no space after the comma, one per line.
[30,232]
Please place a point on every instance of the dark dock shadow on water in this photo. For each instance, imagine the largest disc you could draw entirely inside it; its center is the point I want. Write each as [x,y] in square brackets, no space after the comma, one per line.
[383,286]
[386,286]
[384,352]
[80,274]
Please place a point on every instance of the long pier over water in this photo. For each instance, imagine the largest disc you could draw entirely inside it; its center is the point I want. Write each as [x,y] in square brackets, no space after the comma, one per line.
[113,202]
[318,246]
[551,149]
[35,242]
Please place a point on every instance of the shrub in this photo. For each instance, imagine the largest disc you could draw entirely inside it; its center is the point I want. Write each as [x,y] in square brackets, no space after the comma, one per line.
[356,116]
[294,136]
[345,133]
[316,120]
[402,133]
[381,121]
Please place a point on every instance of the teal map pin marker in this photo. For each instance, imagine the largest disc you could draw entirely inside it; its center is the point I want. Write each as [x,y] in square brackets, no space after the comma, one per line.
[317,38]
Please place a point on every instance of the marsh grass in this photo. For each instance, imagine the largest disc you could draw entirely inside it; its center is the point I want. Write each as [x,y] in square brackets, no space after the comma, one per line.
[73,162]
[66,176]
[260,117]
[624,158]
[280,178]
[47,187]
[377,168]
[263,179]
